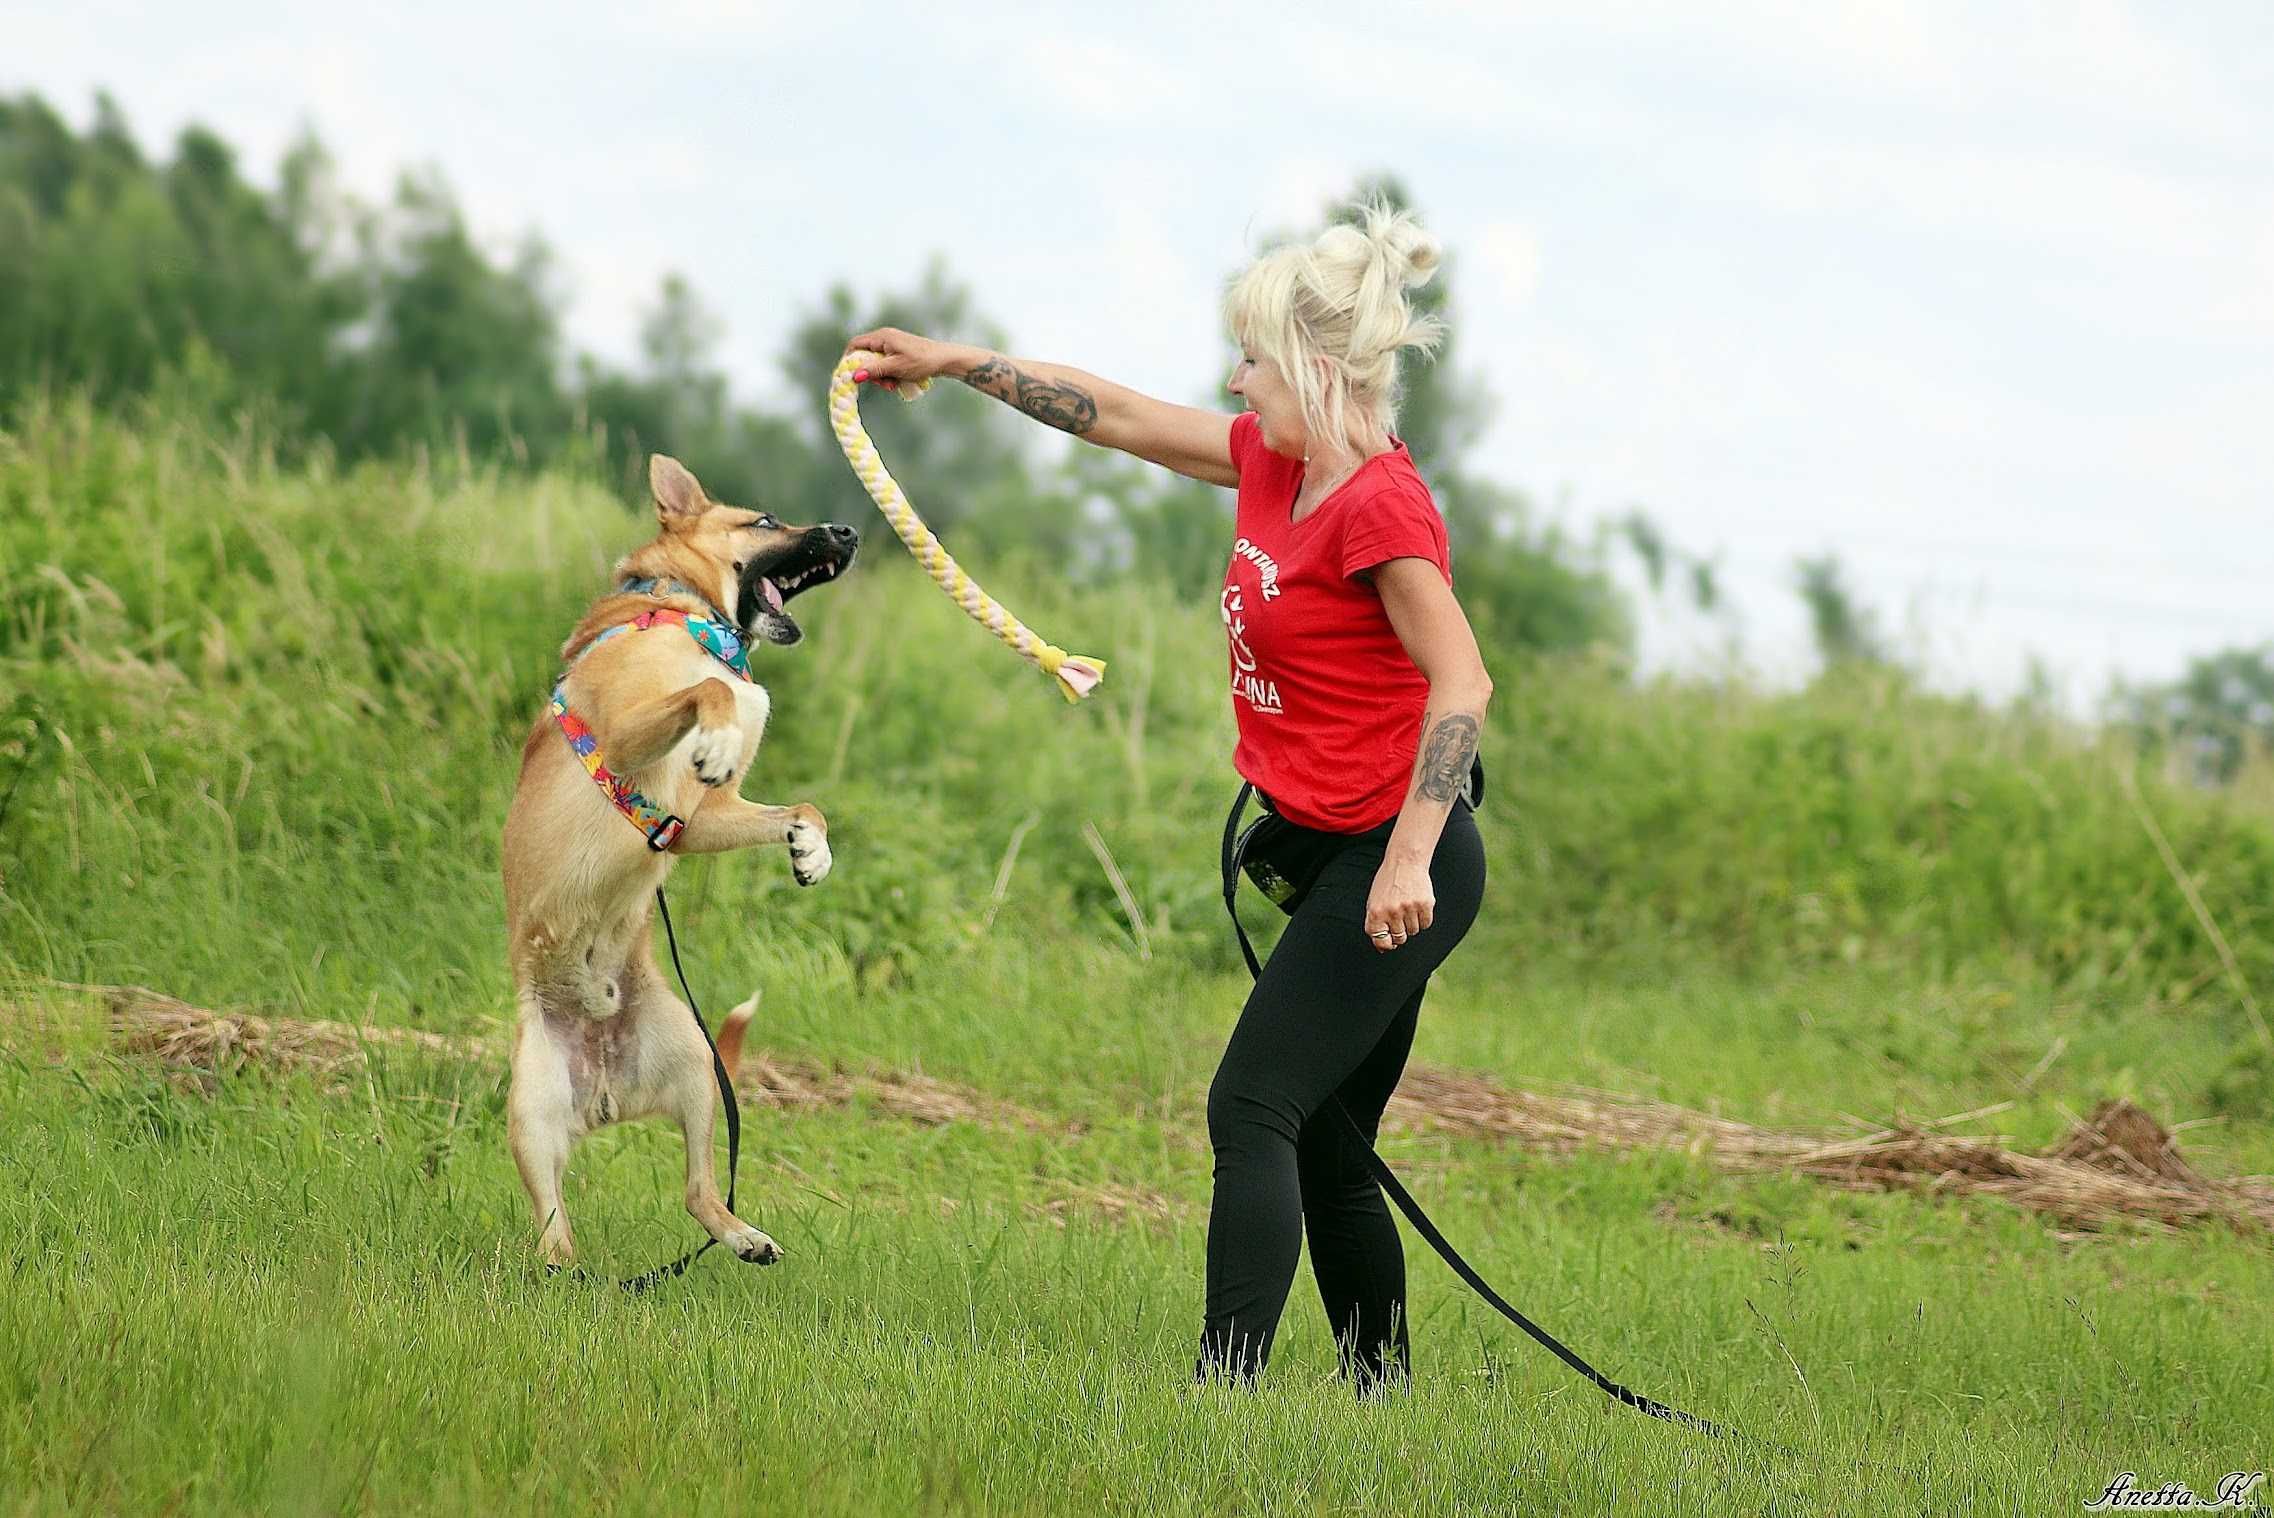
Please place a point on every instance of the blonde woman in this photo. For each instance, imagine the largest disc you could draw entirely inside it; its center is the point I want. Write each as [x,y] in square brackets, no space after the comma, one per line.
[1359,695]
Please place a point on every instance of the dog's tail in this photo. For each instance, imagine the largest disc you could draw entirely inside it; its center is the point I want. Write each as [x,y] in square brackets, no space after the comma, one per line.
[731,1029]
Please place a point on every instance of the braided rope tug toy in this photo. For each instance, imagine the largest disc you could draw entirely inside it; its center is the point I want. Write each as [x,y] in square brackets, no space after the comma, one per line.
[1076,674]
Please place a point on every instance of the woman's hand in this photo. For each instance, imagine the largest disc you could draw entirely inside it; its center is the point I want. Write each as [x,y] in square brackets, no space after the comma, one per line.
[1401,904]
[903,356]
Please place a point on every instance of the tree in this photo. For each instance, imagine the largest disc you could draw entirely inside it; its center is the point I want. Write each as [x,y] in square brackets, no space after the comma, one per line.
[462,350]
[119,274]
[2220,709]
[1443,412]
[679,339]
[1525,584]
[677,403]
[1846,633]
[949,450]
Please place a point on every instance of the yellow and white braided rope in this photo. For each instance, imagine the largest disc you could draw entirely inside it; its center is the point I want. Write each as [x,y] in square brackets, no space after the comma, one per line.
[1077,674]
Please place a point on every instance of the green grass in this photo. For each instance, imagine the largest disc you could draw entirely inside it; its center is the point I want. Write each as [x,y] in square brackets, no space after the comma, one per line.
[279,1298]
[278,712]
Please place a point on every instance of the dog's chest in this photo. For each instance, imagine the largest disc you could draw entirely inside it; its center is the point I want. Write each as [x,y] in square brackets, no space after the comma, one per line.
[752,706]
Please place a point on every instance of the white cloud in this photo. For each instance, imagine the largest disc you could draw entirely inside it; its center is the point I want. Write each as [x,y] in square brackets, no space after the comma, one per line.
[1509,255]
[1293,191]
[1104,80]
[713,20]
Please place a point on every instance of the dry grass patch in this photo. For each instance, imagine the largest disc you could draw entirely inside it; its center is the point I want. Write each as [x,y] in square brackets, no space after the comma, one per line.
[780,1080]
[2117,1165]
[1124,1206]
[206,1044]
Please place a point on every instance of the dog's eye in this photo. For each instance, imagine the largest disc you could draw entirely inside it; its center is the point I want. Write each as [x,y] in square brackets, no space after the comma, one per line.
[765,519]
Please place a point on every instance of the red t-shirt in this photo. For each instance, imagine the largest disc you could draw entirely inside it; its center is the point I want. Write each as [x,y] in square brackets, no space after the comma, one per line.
[1328,701]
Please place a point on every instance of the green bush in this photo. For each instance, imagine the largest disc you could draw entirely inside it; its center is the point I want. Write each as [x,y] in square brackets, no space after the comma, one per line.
[256,681]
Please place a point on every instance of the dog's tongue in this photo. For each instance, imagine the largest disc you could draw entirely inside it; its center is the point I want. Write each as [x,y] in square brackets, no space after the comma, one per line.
[771,592]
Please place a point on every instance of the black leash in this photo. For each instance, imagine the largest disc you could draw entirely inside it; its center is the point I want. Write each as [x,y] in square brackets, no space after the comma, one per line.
[1235,847]
[677,1268]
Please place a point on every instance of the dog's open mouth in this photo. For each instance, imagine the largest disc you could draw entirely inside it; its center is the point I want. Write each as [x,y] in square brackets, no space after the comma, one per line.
[778,588]
[820,555]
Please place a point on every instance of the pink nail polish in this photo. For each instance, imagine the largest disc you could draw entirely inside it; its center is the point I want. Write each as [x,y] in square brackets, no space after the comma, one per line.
[860,375]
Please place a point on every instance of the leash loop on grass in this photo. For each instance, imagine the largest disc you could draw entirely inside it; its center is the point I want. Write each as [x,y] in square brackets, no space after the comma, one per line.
[1076,675]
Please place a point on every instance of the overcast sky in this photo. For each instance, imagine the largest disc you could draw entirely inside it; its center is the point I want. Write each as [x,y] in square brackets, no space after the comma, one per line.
[1979,297]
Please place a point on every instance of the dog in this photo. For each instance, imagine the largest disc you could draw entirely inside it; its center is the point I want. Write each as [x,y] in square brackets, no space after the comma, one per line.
[666,724]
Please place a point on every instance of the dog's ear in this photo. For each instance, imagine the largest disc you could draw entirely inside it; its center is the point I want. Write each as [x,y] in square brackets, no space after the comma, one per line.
[678,494]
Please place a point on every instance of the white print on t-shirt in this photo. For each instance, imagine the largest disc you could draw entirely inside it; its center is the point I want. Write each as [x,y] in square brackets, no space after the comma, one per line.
[1260,694]
[1262,561]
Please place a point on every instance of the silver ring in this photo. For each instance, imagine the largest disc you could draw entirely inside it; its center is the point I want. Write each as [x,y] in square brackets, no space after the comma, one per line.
[1381,933]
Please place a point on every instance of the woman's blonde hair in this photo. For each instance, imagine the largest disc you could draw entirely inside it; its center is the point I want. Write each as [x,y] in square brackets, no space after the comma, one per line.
[1332,315]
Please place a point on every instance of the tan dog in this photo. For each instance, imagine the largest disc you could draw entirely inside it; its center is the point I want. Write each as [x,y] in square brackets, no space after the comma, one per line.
[601,1038]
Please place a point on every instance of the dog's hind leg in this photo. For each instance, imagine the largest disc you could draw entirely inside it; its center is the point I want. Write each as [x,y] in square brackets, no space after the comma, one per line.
[671,1042]
[704,1204]
[540,1126]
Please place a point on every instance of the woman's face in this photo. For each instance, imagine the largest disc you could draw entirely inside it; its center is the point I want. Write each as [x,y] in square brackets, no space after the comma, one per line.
[1259,382]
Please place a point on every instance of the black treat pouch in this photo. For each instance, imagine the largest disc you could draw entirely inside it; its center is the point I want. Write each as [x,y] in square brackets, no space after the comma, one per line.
[1283,859]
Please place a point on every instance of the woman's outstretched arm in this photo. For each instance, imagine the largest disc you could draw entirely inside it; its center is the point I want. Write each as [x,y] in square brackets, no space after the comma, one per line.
[1186,439]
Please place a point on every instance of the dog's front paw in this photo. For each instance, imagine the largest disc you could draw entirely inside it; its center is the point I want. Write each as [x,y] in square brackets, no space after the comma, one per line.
[714,751]
[752,1246]
[809,853]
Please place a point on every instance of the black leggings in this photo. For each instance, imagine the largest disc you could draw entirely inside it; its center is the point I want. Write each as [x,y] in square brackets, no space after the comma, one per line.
[1329,1017]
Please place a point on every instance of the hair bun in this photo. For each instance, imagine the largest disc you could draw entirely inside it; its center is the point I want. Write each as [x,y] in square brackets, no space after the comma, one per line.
[1332,313]
[1410,252]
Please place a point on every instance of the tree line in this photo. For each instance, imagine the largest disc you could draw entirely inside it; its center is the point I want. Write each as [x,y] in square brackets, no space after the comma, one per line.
[371,329]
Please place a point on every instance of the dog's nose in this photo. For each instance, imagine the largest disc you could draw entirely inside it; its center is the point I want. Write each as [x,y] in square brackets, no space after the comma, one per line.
[849,536]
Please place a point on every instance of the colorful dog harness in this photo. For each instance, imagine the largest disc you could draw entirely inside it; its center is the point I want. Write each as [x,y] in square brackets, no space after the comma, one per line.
[656,823]
[1076,674]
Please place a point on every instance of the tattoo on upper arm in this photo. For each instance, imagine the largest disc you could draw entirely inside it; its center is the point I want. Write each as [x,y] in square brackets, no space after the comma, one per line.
[1446,756]
[1069,408]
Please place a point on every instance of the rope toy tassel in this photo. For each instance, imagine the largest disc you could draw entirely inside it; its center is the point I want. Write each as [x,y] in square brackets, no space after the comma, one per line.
[1076,675]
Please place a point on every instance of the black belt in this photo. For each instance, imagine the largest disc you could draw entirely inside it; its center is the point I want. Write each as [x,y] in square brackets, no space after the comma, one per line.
[1234,851]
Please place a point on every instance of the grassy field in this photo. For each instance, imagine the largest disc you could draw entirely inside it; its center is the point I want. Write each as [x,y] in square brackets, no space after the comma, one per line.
[276,715]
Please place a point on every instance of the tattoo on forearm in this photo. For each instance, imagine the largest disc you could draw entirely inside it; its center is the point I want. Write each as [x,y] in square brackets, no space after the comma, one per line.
[1446,756]
[1069,408]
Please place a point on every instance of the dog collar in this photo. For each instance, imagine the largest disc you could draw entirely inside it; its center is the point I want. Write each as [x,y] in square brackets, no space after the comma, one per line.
[651,585]
[716,638]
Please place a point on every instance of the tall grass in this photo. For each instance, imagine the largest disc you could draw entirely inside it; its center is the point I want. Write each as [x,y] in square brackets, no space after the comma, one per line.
[251,679]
